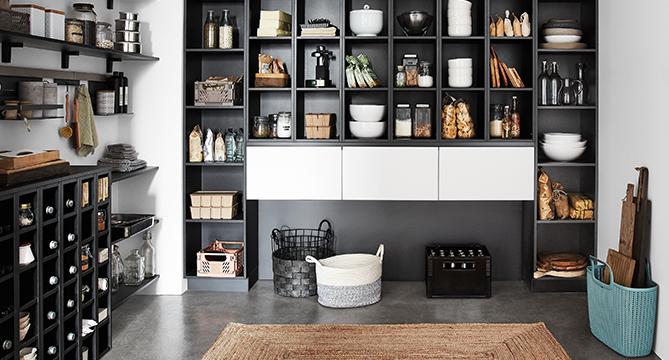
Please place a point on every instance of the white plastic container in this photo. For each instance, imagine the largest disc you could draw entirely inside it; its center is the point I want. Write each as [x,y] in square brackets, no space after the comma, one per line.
[54,24]
[37,16]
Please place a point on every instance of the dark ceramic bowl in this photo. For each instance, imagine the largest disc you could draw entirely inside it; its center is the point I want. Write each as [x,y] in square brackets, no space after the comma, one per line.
[415,23]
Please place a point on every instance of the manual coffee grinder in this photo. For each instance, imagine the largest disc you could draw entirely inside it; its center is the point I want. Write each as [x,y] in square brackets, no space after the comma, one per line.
[323,57]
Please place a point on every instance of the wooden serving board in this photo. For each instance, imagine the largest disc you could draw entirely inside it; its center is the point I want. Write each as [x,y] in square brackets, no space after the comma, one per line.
[622,267]
[627,223]
[24,158]
[561,262]
[35,172]
[566,274]
[641,229]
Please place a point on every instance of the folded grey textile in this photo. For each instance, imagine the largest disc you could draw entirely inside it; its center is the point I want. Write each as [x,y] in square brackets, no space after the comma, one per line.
[122,155]
[120,147]
[122,165]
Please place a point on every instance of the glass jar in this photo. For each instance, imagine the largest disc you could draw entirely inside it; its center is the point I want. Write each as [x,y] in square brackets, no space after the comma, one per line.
[225,31]
[117,269]
[400,77]
[410,62]
[84,290]
[273,125]
[425,74]
[85,13]
[102,219]
[104,37]
[148,251]
[422,121]
[74,31]
[496,118]
[86,257]
[284,125]
[26,216]
[260,127]
[402,121]
[210,31]
[134,268]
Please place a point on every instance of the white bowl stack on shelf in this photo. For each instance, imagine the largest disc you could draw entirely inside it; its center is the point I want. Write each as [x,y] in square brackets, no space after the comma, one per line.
[366,123]
[459,18]
[460,72]
[563,146]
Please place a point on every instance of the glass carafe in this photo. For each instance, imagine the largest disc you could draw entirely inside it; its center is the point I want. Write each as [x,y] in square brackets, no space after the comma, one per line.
[148,251]
[580,85]
[117,269]
[544,84]
[134,268]
[567,97]
[555,85]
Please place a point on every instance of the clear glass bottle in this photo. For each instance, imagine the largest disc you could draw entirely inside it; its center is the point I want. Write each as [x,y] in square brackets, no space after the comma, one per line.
[210,31]
[422,121]
[260,127]
[581,85]
[544,84]
[506,124]
[273,125]
[425,74]
[117,270]
[134,268]
[555,85]
[284,125]
[496,120]
[403,121]
[400,77]
[104,36]
[225,31]
[85,13]
[26,216]
[514,115]
[148,251]
[567,97]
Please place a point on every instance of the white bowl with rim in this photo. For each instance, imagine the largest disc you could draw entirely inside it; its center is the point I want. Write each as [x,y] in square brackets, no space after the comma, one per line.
[459,20]
[562,137]
[366,21]
[460,63]
[367,113]
[560,39]
[366,129]
[562,153]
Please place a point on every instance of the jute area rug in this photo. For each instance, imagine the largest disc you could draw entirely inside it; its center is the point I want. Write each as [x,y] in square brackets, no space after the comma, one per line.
[407,341]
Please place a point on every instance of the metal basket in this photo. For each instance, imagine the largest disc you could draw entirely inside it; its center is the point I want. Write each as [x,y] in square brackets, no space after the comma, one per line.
[293,276]
[14,21]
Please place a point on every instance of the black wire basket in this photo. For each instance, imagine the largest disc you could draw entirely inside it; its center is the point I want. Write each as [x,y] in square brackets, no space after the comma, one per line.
[293,276]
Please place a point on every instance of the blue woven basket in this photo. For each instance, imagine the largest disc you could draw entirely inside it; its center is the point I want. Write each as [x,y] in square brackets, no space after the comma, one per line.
[623,318]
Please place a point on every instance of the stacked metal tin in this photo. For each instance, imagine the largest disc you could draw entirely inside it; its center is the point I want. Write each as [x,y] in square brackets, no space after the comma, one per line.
[127,34]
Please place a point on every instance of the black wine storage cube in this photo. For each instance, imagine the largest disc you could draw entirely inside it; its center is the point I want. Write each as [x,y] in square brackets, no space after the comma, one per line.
[458,271]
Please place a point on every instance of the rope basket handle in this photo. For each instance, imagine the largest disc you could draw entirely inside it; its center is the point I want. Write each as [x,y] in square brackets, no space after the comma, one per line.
[608,286]
[379,253]
[312,260]
[320,226]
[276,235]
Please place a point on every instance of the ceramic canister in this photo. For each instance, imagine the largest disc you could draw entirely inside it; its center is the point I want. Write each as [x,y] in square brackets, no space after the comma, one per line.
[50,98]
[32,91]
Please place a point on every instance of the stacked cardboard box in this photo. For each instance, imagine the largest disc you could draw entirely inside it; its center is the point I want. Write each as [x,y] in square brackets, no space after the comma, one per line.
[319,126]
[216,205]
[275,23]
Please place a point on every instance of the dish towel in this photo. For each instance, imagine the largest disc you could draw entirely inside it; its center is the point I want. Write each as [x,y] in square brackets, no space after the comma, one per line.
[88,135]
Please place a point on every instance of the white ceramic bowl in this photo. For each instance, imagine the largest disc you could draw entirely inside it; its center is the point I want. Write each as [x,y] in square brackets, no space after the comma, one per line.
[562,137]
[459,12]
[460,81]
[459,4]
[581,143]
[366,22]
[367,130]
[368,113]
[460,72]
[459,20]
[562,38]
[562,153]
[459,30]
[460,63]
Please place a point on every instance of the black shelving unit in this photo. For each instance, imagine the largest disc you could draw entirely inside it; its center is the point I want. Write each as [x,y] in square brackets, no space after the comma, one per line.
[126,292]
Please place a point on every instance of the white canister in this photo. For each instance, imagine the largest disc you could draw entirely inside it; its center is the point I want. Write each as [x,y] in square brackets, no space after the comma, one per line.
[32,91]
[284,125]
[36,13]
[54,24]
[50,98]
[105,102]
[25,254]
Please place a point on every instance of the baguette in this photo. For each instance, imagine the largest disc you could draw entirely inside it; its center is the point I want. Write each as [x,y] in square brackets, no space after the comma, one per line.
[505,79]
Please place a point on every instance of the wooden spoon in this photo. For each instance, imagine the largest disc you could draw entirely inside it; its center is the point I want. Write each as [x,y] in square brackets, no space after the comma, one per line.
[66,131]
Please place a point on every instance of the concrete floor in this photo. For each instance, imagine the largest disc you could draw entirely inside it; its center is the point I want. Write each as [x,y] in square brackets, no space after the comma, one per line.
[183,327]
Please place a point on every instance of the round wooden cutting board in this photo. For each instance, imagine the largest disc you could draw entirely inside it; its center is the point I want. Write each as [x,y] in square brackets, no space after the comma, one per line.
[561,261]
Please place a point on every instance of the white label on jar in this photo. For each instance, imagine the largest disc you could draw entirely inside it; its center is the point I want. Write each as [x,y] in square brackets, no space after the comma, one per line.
[403,128]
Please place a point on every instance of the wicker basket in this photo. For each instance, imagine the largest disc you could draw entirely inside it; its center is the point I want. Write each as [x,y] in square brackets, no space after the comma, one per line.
[623,318]
[293,276]
[14,21]
[351,280]
[221,259]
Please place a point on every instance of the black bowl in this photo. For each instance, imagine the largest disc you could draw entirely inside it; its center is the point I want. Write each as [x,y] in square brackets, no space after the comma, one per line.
[415,23]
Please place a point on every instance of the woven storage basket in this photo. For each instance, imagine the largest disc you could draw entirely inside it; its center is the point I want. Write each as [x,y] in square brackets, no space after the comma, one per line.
[349,280]
[293,276]
[623,318]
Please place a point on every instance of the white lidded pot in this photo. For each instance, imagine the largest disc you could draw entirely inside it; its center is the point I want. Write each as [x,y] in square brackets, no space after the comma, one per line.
[366,22]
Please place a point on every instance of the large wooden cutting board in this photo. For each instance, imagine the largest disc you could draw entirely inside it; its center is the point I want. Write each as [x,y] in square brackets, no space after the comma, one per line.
[622,267]
[641,230]
[12,160]
[561,261]
[627,217]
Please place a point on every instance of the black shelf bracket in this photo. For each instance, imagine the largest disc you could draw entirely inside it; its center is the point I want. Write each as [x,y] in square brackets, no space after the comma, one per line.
[7,50]
[110,63]
[110,4]
[65,58]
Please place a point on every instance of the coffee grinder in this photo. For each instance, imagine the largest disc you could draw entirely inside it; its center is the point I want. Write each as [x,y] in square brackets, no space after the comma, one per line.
[323,57]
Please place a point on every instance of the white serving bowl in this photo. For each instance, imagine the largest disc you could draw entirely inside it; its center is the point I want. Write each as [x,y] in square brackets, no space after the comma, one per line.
[459,4]
[460,63]
[460,81]
[460,72]
[562,38]
[581,143]
[459,30]
[562,137]
[562,153]
[367,113]
[459,12]
[367,130]
[366,22]
[459,20]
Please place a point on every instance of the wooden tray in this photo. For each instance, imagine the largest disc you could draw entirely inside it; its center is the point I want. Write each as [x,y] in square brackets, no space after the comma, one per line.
[272,80]
[35,172]
[19,159]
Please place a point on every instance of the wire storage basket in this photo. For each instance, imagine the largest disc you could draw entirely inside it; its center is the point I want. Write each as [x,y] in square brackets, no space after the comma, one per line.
[623,318]
[293,276]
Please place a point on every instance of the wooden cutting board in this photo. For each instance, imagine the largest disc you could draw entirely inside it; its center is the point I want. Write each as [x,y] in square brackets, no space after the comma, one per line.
[12,160]
[627,217]
[641,230]
[561,261]
[566,274]
[622,267]
[35,172]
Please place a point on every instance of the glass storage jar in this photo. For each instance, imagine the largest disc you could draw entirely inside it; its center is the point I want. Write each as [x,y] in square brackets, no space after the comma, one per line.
[74,31]
[496,118]
[148,251]
[134,268]
[403,121]
[26,216]
[425,74]
[86,257]
[284,125]
[422,122]
[273,125]
[117,269]
[104,36]
[85,13]
[400,76]
[260,127]
[210,31]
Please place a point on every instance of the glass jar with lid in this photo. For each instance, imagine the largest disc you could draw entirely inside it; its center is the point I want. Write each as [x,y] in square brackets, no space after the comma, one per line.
[85,13]
[403,121]
[104,36]
[273,125]
[284,125]
[74,31]
[496,118]
[425,74]
[400,76]
[26,216]
[422,121]
[134,268]
[260,128]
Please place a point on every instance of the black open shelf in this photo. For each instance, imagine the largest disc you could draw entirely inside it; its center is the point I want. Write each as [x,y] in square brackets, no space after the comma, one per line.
[119,176]
[125,292]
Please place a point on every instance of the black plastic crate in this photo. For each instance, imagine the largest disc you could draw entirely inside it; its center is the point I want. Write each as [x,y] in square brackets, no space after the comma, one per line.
[459,271]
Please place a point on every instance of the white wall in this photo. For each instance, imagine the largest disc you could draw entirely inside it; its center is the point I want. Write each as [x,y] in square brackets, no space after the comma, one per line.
[155,129]
[633,129]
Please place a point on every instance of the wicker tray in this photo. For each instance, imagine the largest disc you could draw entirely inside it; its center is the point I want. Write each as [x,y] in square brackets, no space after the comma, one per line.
[14,21]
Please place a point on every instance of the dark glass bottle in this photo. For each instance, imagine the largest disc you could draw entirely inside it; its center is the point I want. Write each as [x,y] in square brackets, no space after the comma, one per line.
[514,115]
[506,124]
[115,83]
[544,84]
[555,85]
[124,83]
[210,31]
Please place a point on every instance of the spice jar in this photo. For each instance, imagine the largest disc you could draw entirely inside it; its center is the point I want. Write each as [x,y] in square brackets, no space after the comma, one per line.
[284,125]
[422,122]
[26,216]
[402,120]
[86,257]
[273,125]
[89,19]
[260,127]
[496,118]
[74,31]
[425,74]
[104,35]
[410,62]
[400,77]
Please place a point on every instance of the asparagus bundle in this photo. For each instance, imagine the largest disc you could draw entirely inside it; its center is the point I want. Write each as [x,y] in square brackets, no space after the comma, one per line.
[354,68]
[367,72]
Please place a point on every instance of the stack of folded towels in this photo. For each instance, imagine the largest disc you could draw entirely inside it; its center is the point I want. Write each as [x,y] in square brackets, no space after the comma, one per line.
[122,157]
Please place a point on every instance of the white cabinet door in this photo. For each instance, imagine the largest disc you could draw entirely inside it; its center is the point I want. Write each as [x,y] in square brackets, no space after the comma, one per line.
[486,173]
[390,173]
[293,172]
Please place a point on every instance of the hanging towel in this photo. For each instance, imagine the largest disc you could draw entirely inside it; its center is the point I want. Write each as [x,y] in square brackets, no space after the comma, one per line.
[88,135]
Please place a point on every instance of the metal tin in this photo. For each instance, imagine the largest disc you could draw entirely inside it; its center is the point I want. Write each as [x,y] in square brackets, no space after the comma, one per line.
[128,36]
[129,47]
[105,102]
[128,25]
[127,15]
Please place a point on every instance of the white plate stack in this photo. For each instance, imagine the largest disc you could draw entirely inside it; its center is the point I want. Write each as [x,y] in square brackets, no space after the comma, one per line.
[460,73]
[563,146]
[459,18]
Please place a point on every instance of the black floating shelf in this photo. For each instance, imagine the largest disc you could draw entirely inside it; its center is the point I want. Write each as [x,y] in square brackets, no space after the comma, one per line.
[558,107]
[119,176]
[215,107]
[214,164]
[125,292]
[585,51]
[215,51]
[565,221]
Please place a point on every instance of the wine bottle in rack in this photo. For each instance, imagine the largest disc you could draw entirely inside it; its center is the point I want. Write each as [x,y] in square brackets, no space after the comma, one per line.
[53,244]
[71,336]
[72,270]
[71,237]
[52,350]
[51,315]
[49,210]
[69,203]
[53,280]
[70,304]
[7,345]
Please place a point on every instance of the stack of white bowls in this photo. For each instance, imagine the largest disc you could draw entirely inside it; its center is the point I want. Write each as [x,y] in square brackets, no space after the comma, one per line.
[366,123]
[459,18]
[460,72]
[563,146]
[24,325]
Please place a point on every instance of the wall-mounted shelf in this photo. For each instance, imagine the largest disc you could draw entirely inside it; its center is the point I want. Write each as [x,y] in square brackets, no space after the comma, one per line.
[125,292]
[119,176]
